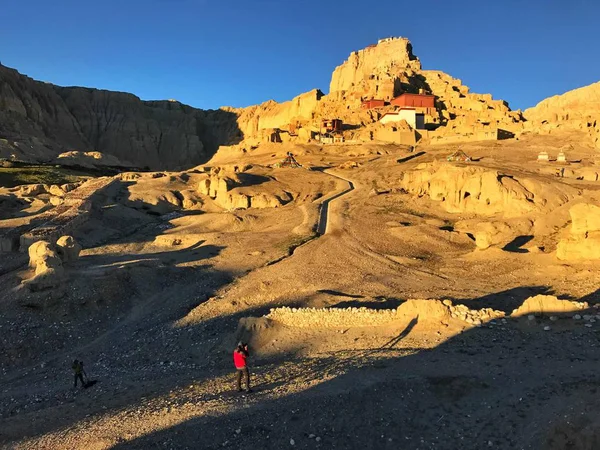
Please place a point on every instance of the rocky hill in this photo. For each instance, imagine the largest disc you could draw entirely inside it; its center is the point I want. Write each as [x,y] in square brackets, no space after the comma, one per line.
[383,71]
[578,109]
[39,121]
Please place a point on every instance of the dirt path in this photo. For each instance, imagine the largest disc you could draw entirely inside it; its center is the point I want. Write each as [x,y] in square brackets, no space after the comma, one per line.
[324,222]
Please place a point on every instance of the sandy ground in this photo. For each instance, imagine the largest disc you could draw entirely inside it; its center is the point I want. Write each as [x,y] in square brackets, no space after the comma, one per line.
[154,324]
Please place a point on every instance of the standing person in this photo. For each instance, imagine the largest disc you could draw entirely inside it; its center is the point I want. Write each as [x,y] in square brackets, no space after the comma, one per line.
[79,372]
[240,354]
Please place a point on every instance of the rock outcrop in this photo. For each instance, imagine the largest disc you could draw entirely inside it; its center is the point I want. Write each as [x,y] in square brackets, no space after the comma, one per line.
[48,265]
[483,191]
[389,68]
[273,116]
[231,190]
[500,233]
[47,259]
[578,109]
[68,248]
[583,239]
[377,71]
[466,113]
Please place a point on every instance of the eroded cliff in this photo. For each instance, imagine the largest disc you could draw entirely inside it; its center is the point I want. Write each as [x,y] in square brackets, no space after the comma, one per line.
[39,121]
[578,109]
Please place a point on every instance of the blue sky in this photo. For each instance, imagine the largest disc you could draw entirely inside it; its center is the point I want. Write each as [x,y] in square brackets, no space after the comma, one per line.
[210,53]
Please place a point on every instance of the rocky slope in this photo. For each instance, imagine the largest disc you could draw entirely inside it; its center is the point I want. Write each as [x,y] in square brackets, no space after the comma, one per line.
[39,121]
[578,109]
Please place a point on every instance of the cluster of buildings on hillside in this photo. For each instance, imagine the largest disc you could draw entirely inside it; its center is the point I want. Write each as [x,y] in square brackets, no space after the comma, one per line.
[382,94]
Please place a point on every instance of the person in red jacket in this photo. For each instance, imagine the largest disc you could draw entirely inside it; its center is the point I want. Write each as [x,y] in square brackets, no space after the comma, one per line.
[240,354]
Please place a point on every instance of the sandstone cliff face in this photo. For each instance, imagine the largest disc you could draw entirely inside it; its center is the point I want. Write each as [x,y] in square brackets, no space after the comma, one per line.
[377,70]
[270,115]
[583,239]
[578,109]
[483,191]
[38,121]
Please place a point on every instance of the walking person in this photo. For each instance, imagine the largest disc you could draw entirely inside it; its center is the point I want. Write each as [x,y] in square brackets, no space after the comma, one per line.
[240,355]
[79,373]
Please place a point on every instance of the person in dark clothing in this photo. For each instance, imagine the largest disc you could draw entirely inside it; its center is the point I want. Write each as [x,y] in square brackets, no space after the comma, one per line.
[79,373]
[240,355]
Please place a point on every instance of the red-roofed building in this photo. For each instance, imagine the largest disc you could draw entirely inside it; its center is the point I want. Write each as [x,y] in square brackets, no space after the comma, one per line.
[373,103]
[414,100]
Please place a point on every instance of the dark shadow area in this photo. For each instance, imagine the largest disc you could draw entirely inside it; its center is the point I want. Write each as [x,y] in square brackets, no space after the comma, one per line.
[122,374]
[592,298]
[409,157]
[515,246]
[185,255]
[90,383]
[504,134]
[319,168]
[377,303]
[506,386]
[393,342]
[505,301]
[250,179]
[349,126]
[338,293]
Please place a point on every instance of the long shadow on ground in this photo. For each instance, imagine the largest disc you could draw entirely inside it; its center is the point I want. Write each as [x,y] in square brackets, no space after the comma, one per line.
[501,386]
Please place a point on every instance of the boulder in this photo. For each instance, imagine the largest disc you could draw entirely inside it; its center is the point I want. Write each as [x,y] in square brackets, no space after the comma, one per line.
[49,271]
[582,242]
[585,218]
[38,251]
[488,234]
[68,249]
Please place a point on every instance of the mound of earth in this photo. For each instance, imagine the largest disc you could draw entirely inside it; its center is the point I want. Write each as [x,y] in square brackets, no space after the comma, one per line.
[548,305]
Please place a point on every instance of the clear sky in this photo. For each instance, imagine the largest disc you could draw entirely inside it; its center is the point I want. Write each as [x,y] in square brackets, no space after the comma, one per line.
[210,53]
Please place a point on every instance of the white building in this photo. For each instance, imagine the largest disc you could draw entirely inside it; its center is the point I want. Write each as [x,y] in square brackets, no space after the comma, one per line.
[414,119]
